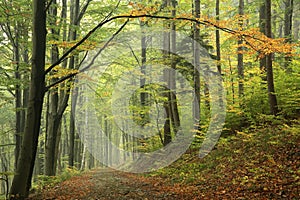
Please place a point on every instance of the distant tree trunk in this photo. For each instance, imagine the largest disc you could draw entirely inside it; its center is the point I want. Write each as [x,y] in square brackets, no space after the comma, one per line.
[262,61]
[296,20]
[22,179]
[218,47]
[167,127]
[269,67]
[25,78]
[175,119]
[143,96]
[172,119]
[18,96]
[84,130]
[262,28]
[240,56]
[288,20]
[231,80]
[196,102]
[72,127]
[218,58]
[75,18]
[166,55]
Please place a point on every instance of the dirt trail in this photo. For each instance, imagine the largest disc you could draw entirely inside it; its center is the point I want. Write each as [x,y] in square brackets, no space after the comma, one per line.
[109,184]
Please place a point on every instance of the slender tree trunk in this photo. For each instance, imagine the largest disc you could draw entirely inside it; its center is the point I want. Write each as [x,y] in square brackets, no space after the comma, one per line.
[18,96]
[26,78]
[197,101]
[296,21]
[269,67]
[231,81]
[83,136]
[22,179]
[175,119]
[288,20]
[166,56]
[240,56]
[143,96]
[72,127]
[218,47]
[262,28]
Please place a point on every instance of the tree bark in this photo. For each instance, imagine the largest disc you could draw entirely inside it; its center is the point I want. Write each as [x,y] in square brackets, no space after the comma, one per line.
[288,20]
[166,56]
[270,79]
[53,115]
[262,28]
[197,100]
[240,56]
[18,96]
[22,179]
[175,119]
[143,96]
[218,47]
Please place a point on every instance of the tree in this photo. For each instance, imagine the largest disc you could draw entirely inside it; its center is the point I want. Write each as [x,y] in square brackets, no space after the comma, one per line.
[53,114]
[196,63]
[262,28]
[218,47]
[240,53]
[288,20]
[22,179]
[270,79]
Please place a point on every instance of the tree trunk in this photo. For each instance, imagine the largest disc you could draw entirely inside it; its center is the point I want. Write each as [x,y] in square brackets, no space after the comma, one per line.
[22,179]
[296,21]
[72,127]
[25,78]
[240,56]
[143,96]
[196,102]
[262,28]
[18,97]
[218,47]
[269,67]
[54,118]
[166,74]
[175,119]
[288,20]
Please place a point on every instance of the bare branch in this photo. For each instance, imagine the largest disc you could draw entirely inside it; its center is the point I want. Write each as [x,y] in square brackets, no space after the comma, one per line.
[48,5]
[83,10]
[93,60]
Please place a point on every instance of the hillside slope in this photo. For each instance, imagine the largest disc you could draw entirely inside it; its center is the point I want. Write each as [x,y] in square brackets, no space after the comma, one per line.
[263,163]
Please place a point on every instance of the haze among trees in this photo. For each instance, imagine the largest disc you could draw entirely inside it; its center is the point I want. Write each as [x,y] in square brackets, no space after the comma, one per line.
[48,48]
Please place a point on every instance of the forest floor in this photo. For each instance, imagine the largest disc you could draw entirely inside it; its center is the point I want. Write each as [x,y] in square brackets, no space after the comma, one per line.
[258,164]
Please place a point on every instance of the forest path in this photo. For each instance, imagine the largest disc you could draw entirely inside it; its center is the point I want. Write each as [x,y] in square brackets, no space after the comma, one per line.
[115,185]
